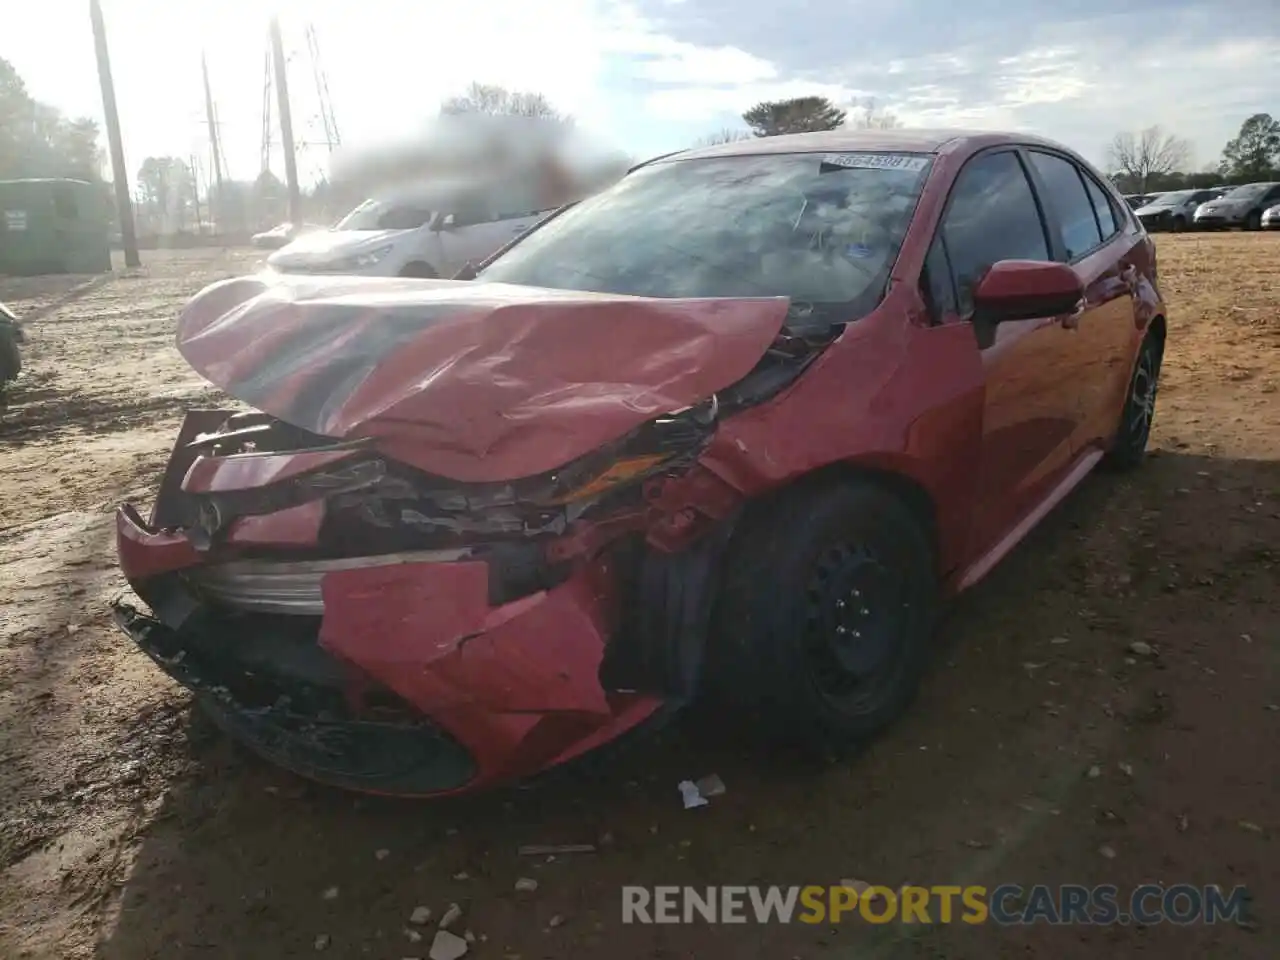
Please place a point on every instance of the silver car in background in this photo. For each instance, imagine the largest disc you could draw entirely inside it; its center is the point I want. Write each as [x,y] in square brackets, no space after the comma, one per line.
[1174,210]
[1240,207]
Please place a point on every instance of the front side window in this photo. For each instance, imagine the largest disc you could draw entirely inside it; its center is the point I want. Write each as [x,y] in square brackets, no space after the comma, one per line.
[1065,192]
[381,215]
[822,229]
[992,216]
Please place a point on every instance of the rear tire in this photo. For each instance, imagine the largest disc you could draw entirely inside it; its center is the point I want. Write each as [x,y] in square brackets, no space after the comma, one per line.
[423,271]
[1179,224]
[1254,220]
[1130,446]
[824,622]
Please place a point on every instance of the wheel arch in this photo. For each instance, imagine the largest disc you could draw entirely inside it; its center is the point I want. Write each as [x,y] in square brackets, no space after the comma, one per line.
[419,268]
[910,489]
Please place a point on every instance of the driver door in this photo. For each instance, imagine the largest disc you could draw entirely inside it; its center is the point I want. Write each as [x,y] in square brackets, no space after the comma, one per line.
[1031,401]
[471,232]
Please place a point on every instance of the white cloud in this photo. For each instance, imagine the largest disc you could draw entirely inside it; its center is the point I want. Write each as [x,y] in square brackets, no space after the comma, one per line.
[660,78]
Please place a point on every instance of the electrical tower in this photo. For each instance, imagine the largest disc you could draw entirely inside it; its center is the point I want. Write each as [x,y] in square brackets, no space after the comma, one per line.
[318,132]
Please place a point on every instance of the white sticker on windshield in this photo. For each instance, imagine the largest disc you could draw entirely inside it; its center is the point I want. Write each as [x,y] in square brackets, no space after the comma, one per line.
[877,161]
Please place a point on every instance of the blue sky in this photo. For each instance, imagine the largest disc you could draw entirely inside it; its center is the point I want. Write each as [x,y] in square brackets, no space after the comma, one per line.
[654,75]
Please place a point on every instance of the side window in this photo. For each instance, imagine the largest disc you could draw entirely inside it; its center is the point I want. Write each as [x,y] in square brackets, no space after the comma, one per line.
[992,216]
[1102,207]
[1065,193]
[471,210]
[1273,195]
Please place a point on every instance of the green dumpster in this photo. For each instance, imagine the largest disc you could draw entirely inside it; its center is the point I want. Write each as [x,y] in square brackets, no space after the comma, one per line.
[53,226]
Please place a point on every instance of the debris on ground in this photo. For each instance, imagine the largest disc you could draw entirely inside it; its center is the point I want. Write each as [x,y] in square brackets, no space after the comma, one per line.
[710,786]
[695,793]
[448,946]
[330,894]
[322,941]
[526,885]
[381,854]
[413,936]
[1107,851]
[555,921]
[1250,826]
[420,916]
[1140,648]
[689,795]
[554,849]
[451,916]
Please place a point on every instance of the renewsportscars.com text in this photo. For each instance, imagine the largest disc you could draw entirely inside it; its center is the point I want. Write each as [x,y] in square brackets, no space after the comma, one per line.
[1007,904]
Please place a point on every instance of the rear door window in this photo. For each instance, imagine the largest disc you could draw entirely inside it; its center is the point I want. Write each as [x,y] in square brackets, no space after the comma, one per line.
[1065,193]
[1102,207]
[992,216]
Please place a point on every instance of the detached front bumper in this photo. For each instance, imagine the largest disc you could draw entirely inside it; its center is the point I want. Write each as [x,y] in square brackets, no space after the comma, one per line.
[406,677]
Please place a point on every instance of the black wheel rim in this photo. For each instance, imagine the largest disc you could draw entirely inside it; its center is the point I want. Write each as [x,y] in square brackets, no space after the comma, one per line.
[857,613]
[1142,395]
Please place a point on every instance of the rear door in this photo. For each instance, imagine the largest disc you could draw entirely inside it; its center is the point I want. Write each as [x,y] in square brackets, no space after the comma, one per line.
[1087,233]
[1031,401]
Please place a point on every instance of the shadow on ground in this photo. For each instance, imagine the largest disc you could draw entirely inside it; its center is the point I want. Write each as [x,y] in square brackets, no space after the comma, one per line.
[984,781]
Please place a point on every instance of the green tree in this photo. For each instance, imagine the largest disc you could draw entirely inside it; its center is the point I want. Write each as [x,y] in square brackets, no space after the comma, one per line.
[797,115]
[166,190]
[1255,153]
[38,141]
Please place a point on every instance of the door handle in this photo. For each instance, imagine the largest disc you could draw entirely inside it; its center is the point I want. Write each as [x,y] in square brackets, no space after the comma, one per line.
[1129,275]
[1071,321]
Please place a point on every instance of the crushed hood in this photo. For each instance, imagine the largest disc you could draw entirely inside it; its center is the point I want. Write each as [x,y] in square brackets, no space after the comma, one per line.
[472,381]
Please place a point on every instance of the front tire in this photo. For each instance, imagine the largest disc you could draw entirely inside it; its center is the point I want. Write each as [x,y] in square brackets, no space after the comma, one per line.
[1253,221]
[1130,446]
[824,622]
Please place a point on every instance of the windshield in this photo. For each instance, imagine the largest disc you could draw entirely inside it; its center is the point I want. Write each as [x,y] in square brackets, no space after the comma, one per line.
[379,215]
[822,229]
[1247,192]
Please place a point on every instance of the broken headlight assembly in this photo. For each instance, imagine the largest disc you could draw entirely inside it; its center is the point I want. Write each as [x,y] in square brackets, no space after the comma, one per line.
[416,510]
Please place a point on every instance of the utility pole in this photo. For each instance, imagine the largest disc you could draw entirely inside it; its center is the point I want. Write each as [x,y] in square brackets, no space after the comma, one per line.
[124,208]
[286,123]
[213,125]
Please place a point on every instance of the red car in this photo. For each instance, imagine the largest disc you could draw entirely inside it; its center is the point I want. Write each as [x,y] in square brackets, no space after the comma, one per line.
[737,424]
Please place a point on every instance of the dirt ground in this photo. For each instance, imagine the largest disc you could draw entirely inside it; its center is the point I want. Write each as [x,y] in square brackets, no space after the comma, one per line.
[130,830]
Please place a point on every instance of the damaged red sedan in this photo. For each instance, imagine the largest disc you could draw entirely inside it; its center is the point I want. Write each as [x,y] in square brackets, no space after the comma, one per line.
[736,424]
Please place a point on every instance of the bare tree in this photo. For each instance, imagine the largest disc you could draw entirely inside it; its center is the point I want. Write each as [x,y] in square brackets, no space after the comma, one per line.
[727,135]
[493,100]
[866,115]
[1151,152]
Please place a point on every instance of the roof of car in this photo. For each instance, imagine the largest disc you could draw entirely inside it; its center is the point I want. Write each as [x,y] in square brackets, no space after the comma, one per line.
[903,140]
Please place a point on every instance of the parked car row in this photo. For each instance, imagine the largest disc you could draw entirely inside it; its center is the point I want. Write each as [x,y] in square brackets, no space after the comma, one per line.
[1249,206]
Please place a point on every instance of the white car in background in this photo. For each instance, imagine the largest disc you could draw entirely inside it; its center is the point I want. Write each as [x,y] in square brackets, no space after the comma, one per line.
[409,237]
[1271,218]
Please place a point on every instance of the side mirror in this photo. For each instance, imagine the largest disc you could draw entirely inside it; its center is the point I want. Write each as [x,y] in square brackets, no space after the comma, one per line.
[445,221]
[1025,290]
